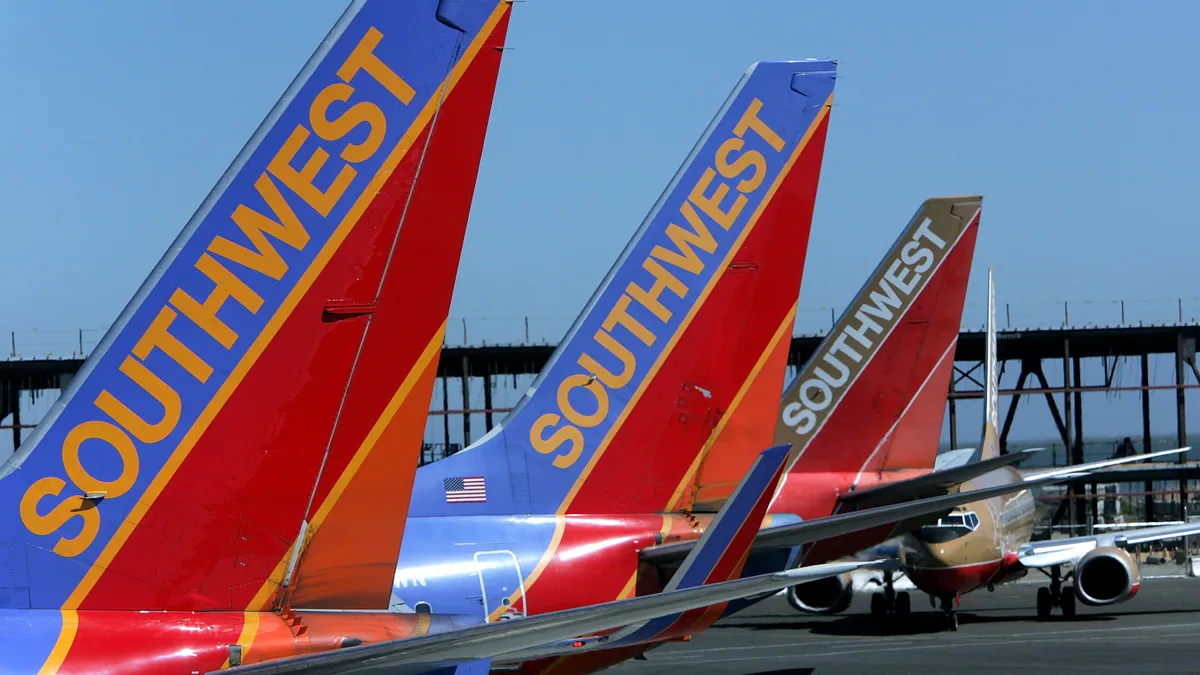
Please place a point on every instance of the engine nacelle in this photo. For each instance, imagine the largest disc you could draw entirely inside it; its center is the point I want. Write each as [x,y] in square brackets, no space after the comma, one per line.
[823,596]
[1106,576]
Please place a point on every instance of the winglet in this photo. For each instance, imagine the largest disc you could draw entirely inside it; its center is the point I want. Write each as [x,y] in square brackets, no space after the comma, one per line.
[723,547]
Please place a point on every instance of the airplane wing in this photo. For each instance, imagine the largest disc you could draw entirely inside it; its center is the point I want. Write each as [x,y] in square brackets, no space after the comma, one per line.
[947,480]
[1063,551]
[1093,466]
[899,515]
[719,554]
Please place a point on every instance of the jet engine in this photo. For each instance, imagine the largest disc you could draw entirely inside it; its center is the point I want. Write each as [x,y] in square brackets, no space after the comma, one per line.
[823,596]
[1106,576]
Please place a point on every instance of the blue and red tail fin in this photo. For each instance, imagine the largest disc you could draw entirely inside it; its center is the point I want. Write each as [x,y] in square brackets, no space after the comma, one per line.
[697,302]
[229,404]
[722,550]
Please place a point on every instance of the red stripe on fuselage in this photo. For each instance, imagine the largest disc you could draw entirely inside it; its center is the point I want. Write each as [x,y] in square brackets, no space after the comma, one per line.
[228,516]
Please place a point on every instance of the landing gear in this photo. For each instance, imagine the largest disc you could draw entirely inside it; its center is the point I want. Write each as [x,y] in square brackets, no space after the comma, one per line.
[889,601]
[1056,595]
[950,610]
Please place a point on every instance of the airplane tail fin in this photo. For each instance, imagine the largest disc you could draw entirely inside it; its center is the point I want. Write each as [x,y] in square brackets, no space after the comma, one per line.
[699,304]
[230,407]
[873,395]
[721,552]
[990,445]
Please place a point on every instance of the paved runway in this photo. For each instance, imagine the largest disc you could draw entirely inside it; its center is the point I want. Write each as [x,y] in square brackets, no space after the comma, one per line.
[1157,631]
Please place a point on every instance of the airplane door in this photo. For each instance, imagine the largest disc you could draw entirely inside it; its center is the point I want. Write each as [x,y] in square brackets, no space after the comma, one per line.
[502,585]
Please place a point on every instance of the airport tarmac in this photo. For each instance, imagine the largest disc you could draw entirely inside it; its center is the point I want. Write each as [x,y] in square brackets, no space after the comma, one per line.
[1156,631]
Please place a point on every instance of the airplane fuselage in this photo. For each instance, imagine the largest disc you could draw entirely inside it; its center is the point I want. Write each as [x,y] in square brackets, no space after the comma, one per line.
[169,643]
[975,546]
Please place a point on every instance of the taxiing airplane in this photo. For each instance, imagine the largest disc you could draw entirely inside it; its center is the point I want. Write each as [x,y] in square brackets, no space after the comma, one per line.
[988,542]
[150,522]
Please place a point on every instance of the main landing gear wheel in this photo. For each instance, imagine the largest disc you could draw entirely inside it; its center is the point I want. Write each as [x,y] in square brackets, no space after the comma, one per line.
[888,601]
[1056,595]
[1044,604]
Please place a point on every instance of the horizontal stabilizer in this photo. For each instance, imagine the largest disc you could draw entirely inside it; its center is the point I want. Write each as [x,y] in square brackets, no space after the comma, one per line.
[929,485]
[491,640]
[811,531]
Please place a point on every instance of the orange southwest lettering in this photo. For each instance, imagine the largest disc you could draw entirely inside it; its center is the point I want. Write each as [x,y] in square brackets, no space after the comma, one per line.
[590,384]
[614,347]
[337,128]
[264,258]
[156,335]
[301,182]
[711,205]
[363,58]
[60,515]
[565,434]
[227,285]
[686,258]
[152,384]
[97,430]
[751,159]
[620,315]
[751,120]
[663,280]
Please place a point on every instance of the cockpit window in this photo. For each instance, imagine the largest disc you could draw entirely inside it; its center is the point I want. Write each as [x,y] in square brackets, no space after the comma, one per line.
[950,527]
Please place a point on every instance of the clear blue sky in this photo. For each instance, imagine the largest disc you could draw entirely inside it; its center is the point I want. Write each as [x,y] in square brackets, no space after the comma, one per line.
[1076,120]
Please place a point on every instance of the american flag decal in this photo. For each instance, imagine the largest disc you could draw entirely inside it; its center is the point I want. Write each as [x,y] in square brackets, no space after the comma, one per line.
[469,489]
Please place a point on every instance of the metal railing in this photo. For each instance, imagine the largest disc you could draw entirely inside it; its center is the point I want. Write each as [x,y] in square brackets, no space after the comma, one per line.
[547,330]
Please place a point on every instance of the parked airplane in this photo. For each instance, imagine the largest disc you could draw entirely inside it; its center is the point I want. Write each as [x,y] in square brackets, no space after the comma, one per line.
[866,408]
[987,542]
[225,415]
[703,579]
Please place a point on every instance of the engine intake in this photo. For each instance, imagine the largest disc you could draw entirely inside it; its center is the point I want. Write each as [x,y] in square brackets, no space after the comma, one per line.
[823,596]
[1106,576]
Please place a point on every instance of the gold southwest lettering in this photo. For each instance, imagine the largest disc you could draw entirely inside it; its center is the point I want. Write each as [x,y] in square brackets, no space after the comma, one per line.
[614,347]
[262,257]
[152,384]
[733,162]
[620,316]
[686,258]
[301,182]
[227,286]
[590,384]
[566,434]
[662,280]
[60,515]
[363,58]
[747,160]
[335,129]
[711,205]
[115,437]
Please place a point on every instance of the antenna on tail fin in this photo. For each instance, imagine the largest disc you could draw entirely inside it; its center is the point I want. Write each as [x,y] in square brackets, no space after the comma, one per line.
[990,446]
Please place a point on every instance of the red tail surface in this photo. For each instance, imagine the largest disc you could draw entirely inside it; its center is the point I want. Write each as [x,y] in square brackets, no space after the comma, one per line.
[871,399]
[289,336]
